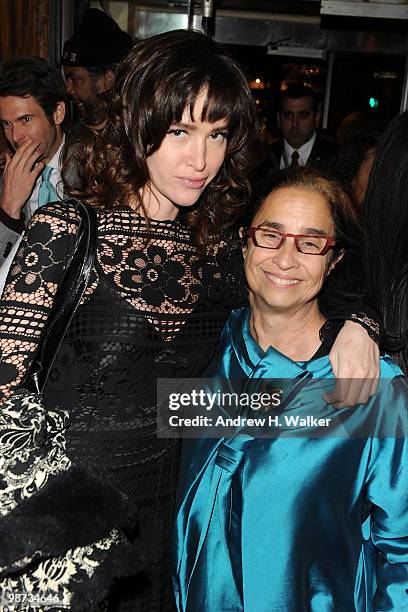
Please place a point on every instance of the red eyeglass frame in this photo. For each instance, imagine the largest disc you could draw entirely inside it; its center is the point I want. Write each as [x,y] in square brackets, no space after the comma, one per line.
[250,233]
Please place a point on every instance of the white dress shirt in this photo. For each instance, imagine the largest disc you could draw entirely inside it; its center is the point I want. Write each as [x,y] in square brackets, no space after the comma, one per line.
[304,152]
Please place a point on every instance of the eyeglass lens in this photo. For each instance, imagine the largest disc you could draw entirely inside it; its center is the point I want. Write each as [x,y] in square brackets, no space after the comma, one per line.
[310,245]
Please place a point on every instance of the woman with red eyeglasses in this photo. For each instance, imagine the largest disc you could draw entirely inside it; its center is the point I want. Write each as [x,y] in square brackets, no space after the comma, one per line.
[298,506]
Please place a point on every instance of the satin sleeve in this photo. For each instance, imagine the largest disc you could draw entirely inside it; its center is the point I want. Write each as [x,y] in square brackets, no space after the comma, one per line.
[387,492]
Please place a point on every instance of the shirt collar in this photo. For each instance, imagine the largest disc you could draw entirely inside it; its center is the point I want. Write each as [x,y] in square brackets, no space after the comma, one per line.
[258,363]
[304,151]
[55,160]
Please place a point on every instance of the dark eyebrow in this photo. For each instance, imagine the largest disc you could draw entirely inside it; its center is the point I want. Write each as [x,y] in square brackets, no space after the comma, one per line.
[193,126]
[308,230]
[314,231]
[289,112]
[277,226]
[17,119]
[184,126]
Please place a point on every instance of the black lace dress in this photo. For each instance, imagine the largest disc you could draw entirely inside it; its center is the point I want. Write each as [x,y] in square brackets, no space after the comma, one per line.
[154,308]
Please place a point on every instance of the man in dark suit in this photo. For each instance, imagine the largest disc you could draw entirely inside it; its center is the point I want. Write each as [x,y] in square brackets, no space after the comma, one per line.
[298,119]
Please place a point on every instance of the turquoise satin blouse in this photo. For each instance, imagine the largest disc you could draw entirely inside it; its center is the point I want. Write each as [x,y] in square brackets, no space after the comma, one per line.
[295,524]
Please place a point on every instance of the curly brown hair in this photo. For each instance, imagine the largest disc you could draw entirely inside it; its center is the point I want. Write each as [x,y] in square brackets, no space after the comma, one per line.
[160,78]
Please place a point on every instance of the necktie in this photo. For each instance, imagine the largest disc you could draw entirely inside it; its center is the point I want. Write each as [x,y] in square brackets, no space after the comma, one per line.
[295,159]
[47,192]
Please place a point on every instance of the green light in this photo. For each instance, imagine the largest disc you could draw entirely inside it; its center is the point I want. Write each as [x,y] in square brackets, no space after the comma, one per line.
[373,102]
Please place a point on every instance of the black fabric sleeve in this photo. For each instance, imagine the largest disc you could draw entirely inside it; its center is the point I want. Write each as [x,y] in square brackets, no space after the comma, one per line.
[31,286]
[343,299]
[15,225]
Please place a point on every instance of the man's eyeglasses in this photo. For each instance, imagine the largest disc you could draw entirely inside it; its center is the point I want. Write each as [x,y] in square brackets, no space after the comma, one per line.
[309,244]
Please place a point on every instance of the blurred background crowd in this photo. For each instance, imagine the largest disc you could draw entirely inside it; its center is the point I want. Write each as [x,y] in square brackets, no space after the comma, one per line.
[326,76]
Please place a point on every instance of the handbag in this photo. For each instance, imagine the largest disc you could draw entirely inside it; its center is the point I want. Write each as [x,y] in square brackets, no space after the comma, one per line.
[62,526]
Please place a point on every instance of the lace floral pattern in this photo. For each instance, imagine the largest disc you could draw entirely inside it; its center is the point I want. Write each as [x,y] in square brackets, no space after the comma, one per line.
[32,448]
[51,582]
[155,275]
[32,454]
[154,308]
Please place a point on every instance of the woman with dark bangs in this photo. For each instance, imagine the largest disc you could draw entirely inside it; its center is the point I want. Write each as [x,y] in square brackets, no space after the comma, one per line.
[175,133]
[166,165]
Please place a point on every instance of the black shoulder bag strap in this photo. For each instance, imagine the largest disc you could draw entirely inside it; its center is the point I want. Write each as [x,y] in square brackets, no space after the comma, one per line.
[67,298]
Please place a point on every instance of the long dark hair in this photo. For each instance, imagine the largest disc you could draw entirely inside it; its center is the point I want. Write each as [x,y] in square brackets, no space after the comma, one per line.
[155,83]
[386,223]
